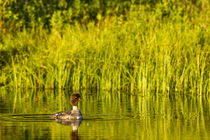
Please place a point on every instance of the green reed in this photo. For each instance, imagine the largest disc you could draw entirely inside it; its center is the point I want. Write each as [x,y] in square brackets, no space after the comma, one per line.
[142,53]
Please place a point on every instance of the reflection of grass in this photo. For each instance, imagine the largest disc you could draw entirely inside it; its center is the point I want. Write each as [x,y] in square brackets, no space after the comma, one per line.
[139,54]
[117,115]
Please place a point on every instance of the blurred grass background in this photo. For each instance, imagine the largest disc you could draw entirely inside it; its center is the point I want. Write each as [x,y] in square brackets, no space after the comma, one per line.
[155,46]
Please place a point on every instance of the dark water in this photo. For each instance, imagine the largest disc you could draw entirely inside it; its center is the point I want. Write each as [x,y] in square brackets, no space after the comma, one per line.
[24,115]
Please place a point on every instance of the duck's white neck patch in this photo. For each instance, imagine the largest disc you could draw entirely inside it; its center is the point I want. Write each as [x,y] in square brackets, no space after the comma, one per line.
[75,107]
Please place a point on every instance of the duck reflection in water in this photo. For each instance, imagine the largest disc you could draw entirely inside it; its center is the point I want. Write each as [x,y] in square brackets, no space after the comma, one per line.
[75,125]
[73,117]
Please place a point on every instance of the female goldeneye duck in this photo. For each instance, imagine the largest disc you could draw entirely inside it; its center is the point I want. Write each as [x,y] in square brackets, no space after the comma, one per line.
[74,114]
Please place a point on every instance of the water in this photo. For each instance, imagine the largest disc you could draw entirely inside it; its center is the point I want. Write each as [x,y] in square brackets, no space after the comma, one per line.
[24,115]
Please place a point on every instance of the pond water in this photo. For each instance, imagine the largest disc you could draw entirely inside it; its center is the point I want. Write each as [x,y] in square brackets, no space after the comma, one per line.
[25,115]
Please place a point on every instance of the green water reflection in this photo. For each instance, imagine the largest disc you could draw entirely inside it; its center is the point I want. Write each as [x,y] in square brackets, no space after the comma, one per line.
[24,115]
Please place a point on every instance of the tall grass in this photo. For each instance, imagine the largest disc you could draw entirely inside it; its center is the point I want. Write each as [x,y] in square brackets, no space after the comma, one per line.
[142,53]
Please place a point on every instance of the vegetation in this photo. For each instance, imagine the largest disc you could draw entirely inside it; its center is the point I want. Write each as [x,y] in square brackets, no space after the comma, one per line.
[142,46]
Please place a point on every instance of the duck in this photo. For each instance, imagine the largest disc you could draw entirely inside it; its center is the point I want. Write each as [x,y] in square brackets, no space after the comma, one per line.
[73,114]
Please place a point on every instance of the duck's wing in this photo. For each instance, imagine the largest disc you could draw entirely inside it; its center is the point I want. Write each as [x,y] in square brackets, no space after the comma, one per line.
[61,114]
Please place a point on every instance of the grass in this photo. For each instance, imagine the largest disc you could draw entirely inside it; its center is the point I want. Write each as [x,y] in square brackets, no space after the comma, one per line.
[143,54]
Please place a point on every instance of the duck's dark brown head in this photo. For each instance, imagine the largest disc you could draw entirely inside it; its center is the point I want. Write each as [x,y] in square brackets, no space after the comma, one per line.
[74,99]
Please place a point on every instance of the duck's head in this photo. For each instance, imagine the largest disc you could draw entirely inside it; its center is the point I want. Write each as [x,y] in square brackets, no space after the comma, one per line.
[74,99]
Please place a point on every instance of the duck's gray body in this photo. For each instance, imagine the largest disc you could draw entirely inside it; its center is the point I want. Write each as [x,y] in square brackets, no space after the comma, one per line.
[74,114]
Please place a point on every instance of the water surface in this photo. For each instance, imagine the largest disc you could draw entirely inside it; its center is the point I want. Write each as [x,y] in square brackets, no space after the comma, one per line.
[24,115]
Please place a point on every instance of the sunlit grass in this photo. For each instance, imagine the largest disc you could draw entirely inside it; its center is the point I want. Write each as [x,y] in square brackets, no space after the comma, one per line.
[141,54]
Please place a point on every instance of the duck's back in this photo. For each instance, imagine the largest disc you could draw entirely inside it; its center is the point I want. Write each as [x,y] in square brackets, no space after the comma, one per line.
[61,115]
[67,115]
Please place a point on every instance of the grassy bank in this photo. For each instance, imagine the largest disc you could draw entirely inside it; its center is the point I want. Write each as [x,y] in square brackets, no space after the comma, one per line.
[137,52]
